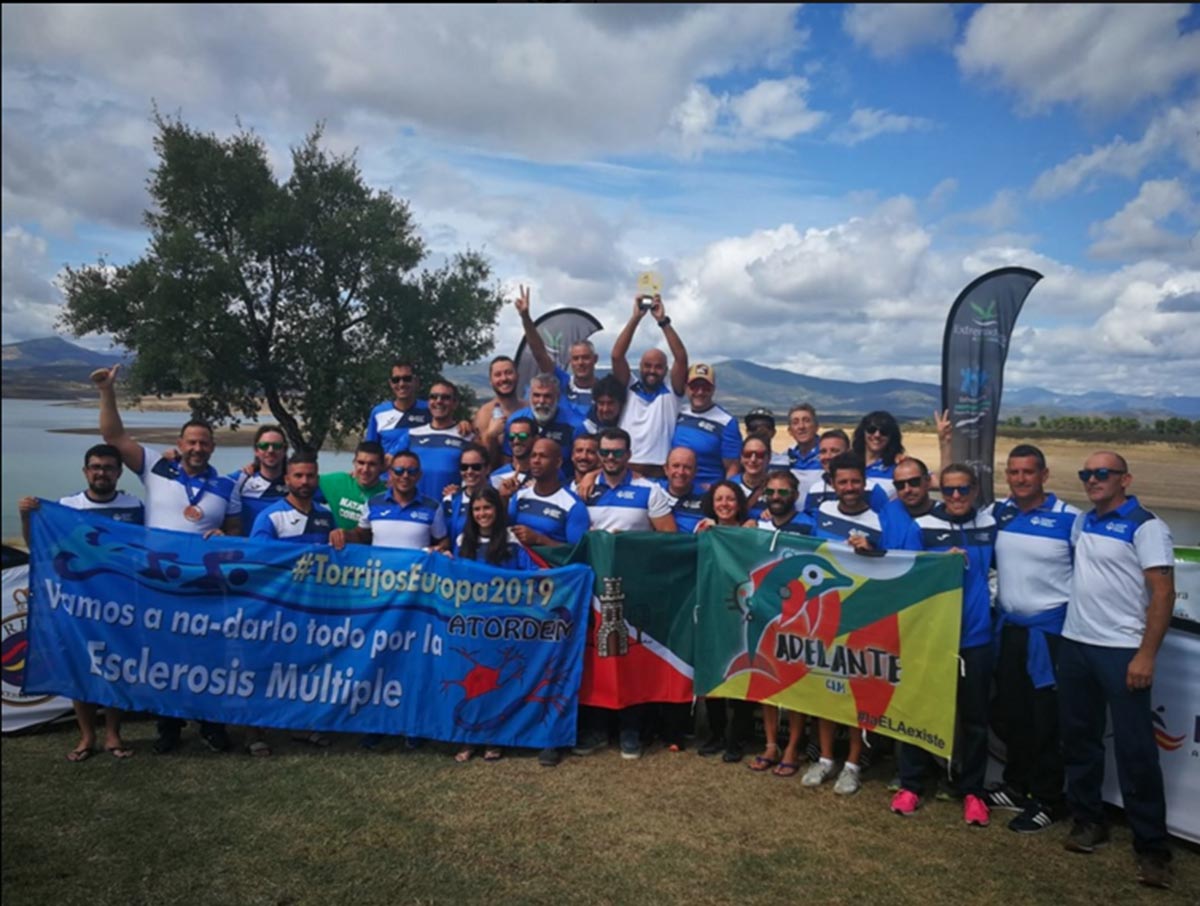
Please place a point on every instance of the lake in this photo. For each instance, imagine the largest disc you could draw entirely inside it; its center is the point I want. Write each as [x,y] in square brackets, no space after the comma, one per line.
[48,465]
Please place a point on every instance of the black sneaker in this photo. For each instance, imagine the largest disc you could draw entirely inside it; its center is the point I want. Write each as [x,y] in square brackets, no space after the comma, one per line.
[590,743]
[166,743]
[549,758]
[712,746]
[1036,817]
[1086,838]
[1006,799]
[1154,870]
[734,752]
[216,738]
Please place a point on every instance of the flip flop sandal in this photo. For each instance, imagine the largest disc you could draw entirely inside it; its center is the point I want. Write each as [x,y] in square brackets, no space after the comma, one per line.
[258,749]
[79,756]
[762,763]
[493,754]
[119,752]
[462,756]
[786,769]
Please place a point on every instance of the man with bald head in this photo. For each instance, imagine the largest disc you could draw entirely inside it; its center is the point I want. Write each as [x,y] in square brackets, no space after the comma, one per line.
[1122,592]
[655,398]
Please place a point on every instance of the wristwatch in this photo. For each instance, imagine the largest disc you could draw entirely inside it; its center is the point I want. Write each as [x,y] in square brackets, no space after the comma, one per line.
[665,322]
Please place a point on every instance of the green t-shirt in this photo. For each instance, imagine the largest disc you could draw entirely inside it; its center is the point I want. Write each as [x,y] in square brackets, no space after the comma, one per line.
[347,498]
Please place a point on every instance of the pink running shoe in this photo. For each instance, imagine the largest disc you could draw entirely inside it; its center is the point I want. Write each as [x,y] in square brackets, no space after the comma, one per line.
[905,803]
[975,811]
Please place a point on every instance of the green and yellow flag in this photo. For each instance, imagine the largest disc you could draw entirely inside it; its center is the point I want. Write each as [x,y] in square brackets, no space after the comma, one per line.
[816,628]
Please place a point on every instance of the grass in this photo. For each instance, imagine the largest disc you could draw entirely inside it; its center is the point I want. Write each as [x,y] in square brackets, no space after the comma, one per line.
[393,826]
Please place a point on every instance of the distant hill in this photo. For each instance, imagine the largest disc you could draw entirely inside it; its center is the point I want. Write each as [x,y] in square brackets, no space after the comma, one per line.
[49,368]
[52,367]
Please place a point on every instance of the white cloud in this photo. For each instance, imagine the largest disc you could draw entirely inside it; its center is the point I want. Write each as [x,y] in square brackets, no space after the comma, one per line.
[31,301]
[1176,129]
[867,123]
[1105,57]
[890,30]
[1136,231]
[770,110]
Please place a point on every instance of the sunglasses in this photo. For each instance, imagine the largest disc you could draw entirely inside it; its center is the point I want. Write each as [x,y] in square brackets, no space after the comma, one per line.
[440,397]
[402,378]
[875,429]
[901,483]
[518,435]
[610,453]
[1086,475]
[406,470]
[754,454]
[97,467]
[270,445]
[471,467]
[956,490]
[785,493]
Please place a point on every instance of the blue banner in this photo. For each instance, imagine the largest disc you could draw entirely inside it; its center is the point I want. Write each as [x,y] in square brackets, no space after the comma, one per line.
[302,636]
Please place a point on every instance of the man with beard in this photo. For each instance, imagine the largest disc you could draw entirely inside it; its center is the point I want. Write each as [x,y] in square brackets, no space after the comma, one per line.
[347,493]
[102,471]
[654,403]
[491,418]
[545,513]
[263,485]
[575,389]
[817,487]
[706,429]
[585,458]
[522,432]
[186,495]
[297,517]
[390,421]
[557,422]
[439,443]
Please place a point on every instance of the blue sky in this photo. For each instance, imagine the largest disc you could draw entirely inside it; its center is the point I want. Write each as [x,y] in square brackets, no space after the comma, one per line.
[815,184]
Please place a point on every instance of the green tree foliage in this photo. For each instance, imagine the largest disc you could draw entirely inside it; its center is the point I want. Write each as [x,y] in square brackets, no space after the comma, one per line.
[297,294]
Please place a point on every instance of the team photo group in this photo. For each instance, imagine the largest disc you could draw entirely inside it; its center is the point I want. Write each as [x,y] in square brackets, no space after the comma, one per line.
[1063,611]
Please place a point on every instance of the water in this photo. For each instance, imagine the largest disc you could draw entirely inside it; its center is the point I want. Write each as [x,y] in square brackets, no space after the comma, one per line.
[41,464]
[49,465]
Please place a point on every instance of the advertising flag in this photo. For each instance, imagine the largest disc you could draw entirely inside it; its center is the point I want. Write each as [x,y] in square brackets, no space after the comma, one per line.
[560,330]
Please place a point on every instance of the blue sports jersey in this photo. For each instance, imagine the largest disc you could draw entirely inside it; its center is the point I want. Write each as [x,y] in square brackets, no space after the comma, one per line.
[712,435]
[799,524]
[977,536]
[416,524]
[389,426]
[578,398]
[517,558]
[283,522]
[439,450]
[563,427]
[122,508]
[687,509]
[258,493]
[560,516]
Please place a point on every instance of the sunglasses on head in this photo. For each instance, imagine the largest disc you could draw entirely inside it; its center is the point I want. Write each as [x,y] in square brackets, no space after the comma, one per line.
[471,466]
[1086,475]
[612,453]
[406,470]
[401,378]
[956,490]
[777,492]
[270,445]
[901,483]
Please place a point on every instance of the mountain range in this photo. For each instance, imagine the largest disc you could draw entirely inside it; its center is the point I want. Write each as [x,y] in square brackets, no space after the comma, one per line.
[54,368]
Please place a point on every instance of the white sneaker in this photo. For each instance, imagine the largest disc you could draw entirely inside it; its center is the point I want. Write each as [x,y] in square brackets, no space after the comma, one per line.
[818,773]
[848,782]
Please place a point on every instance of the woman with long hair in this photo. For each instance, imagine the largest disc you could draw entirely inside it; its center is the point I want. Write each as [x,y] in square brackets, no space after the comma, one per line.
[724,504]
[486,539]
[878,441]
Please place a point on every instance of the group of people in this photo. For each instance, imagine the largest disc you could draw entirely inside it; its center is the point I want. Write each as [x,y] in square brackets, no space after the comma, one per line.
[1083,600]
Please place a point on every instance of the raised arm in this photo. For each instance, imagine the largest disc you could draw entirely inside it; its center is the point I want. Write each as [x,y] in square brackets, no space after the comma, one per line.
[537,345]
[679,356]
[112,429]
[620,364]
[945,435]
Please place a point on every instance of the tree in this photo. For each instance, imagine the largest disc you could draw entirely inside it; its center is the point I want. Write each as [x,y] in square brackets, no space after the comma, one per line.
[297,294]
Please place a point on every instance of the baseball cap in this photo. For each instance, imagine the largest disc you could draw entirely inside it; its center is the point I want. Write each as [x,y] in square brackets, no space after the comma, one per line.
[702,372]
[760,415]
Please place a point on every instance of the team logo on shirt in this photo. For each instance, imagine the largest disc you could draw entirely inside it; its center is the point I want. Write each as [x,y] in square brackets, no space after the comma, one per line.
[626,495]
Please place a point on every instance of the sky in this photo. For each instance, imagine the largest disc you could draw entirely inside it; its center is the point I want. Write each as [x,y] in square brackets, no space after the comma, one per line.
[814,184]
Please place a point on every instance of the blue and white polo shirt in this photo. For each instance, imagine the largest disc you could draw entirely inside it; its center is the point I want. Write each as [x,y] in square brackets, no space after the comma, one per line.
[170,491]
[560,516]
[799,524]
[816,491]
[1034,555]
[976,535]
[122,508]
[1109,596]
[416,524]
[283,522]
[627,507]
[439,450]
[649,418]
[688,509]
[389,426]
[258,493]
[712,435]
